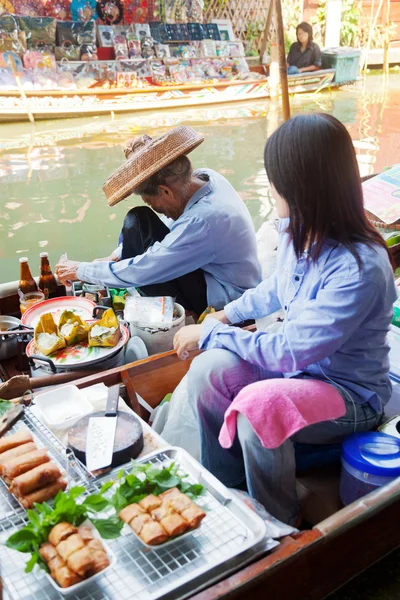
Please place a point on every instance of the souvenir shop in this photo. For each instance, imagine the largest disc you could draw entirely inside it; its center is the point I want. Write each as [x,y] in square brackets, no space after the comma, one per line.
[105,44]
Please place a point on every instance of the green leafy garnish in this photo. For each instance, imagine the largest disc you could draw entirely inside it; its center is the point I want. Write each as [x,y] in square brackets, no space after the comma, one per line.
[5,405]
[150,479]
[44,518]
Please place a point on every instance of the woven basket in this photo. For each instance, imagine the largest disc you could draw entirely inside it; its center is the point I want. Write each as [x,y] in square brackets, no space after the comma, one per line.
[145,157]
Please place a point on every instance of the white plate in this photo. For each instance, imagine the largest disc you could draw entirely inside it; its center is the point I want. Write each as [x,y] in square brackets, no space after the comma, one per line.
[135,350]
[62,407]
[56,306]
[78,586]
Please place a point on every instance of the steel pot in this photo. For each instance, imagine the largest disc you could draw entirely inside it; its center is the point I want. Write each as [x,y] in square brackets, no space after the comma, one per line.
[8,344]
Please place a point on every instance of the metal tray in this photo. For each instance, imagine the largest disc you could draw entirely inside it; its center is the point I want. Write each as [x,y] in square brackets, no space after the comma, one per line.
[11,512]
[231,535]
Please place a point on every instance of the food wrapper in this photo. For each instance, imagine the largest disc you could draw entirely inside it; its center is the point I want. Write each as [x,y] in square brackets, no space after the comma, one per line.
[75,328]
[47,325]
[111,334]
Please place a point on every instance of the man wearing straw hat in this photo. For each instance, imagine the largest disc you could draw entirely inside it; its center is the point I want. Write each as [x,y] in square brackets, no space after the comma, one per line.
[202,251]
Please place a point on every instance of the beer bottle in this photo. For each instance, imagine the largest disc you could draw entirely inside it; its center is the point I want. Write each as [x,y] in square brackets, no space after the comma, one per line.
[47,281]
[26,282]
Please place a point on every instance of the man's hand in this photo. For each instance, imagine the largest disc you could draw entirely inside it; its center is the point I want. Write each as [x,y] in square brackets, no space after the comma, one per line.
[67,271]
[187,339]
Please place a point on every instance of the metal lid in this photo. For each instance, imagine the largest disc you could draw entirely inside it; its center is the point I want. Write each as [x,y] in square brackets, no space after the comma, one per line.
[23,259]
[373,453]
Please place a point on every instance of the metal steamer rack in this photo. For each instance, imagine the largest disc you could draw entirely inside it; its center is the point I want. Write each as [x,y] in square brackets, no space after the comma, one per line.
[230,536]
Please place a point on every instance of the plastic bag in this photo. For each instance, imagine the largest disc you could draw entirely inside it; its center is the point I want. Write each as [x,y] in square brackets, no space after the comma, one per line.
[150,312]
[181,427]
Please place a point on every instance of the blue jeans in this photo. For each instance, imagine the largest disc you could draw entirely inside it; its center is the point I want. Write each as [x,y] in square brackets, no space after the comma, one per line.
[292,70]
[214,379]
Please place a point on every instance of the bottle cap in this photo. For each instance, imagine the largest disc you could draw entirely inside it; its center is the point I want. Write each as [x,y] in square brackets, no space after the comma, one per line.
[23,259]
[44,254]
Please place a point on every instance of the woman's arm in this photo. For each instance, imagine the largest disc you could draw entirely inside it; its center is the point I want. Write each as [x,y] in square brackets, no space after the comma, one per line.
[256,303]
[324,325]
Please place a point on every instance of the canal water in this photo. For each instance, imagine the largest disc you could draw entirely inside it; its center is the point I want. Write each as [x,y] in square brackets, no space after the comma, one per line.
[51,173]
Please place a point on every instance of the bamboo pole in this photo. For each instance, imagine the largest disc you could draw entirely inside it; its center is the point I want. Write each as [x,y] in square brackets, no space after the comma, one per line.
[370,34]
[282,60]
[266,31]
[386,46]
[21,89]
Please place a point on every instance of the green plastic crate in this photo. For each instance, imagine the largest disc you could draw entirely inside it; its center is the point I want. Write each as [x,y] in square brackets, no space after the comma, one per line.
[344,61]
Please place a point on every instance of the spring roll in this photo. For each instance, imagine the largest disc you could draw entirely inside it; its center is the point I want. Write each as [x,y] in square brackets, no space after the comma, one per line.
[150,503]
[162,511]
[138,522]
[95,545]
[174,524]
[14,453]
[72,544]
[35,479]
[193,515]
[60,532]
[65,577]
[24,463]
[170,493]
[130,512]
[86,534]
[48,552]
[100,561]
[15,439]
[81,561]
[153,533]
[43,494]
[179,503]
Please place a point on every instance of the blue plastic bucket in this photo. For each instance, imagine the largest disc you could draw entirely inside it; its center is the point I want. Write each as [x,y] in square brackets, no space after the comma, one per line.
[369,461]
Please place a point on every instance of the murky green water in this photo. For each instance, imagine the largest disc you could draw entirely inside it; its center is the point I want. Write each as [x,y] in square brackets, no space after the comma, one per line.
[51,174]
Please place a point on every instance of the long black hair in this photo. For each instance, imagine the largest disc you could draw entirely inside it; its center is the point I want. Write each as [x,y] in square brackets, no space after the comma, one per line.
[307,28]
[311,162]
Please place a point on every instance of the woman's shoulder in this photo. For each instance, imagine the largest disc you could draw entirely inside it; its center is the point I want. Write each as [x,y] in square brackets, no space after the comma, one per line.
[373,263]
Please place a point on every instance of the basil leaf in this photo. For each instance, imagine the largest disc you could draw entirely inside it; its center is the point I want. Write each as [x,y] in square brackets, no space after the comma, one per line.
[34,518]
[109,529]
[95,503]
[31,562]
[106,486]
[22,540]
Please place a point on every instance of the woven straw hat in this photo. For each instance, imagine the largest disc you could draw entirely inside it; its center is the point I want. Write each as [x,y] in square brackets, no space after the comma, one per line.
[145,156]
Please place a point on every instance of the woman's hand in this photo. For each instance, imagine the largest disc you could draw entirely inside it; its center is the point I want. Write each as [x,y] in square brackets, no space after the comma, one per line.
[67,271]
[111,258]
[219,316]
[187,339]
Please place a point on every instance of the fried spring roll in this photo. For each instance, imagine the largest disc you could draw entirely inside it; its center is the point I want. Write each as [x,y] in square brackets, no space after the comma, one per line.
[48,552]
[43,494]
[86,534]
[179,503]
[65,577]
[24,463]
[60,532]
[150,503]
[138,522]
[6,457]
[130,512]
[170,494]
[81,561]
[15,439]
[73,543]
[100,561]
[174,524]
[193,515]
[163,511]
[95,545]
[35,479]
[153,533]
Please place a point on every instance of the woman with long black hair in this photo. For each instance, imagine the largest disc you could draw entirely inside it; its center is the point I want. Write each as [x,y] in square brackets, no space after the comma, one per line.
[334,281]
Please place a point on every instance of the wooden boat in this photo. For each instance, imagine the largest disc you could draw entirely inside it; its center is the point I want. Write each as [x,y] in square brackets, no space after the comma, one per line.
[57,104]
[340,543]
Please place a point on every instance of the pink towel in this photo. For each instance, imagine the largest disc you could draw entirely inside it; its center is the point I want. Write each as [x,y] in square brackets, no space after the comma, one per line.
[278,408]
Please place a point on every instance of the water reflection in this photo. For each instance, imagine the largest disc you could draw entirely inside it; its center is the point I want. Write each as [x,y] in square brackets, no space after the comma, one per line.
[51,174]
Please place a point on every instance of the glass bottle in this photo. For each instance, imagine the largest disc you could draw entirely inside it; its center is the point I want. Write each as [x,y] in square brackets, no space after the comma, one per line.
[47,281]
[26,282]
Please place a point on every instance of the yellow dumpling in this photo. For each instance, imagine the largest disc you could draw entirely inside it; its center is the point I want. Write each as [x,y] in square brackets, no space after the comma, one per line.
[47,340]
[105,332]
[72,328]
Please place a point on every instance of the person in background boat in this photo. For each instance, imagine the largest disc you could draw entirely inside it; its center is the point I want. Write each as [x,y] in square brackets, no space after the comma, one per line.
[202,250]
[335,283]
[304,55]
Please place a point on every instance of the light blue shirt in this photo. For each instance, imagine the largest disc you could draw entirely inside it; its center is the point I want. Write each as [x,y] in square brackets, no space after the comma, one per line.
[336,319]
[215,233]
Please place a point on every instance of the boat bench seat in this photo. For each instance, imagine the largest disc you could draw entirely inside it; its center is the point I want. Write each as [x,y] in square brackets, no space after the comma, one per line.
[318,480]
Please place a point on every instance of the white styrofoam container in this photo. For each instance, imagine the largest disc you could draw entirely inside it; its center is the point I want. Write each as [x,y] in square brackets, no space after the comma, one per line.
[62,407]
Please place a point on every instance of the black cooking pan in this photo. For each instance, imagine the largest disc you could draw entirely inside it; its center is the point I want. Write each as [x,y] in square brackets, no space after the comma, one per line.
[128,442]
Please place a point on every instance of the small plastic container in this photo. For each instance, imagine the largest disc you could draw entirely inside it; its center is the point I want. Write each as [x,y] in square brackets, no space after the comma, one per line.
[62,407]
[369,461]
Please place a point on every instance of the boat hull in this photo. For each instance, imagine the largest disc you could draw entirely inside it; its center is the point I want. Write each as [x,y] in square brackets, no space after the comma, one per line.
[85,103]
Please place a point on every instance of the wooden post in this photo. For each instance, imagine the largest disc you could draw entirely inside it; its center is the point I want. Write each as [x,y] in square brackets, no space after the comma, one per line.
[21,89]
[282,60]
[386,45]
[266,31]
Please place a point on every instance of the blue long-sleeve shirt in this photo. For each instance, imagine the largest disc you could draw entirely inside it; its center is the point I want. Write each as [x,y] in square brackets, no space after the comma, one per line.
[336,323]
[215,233]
